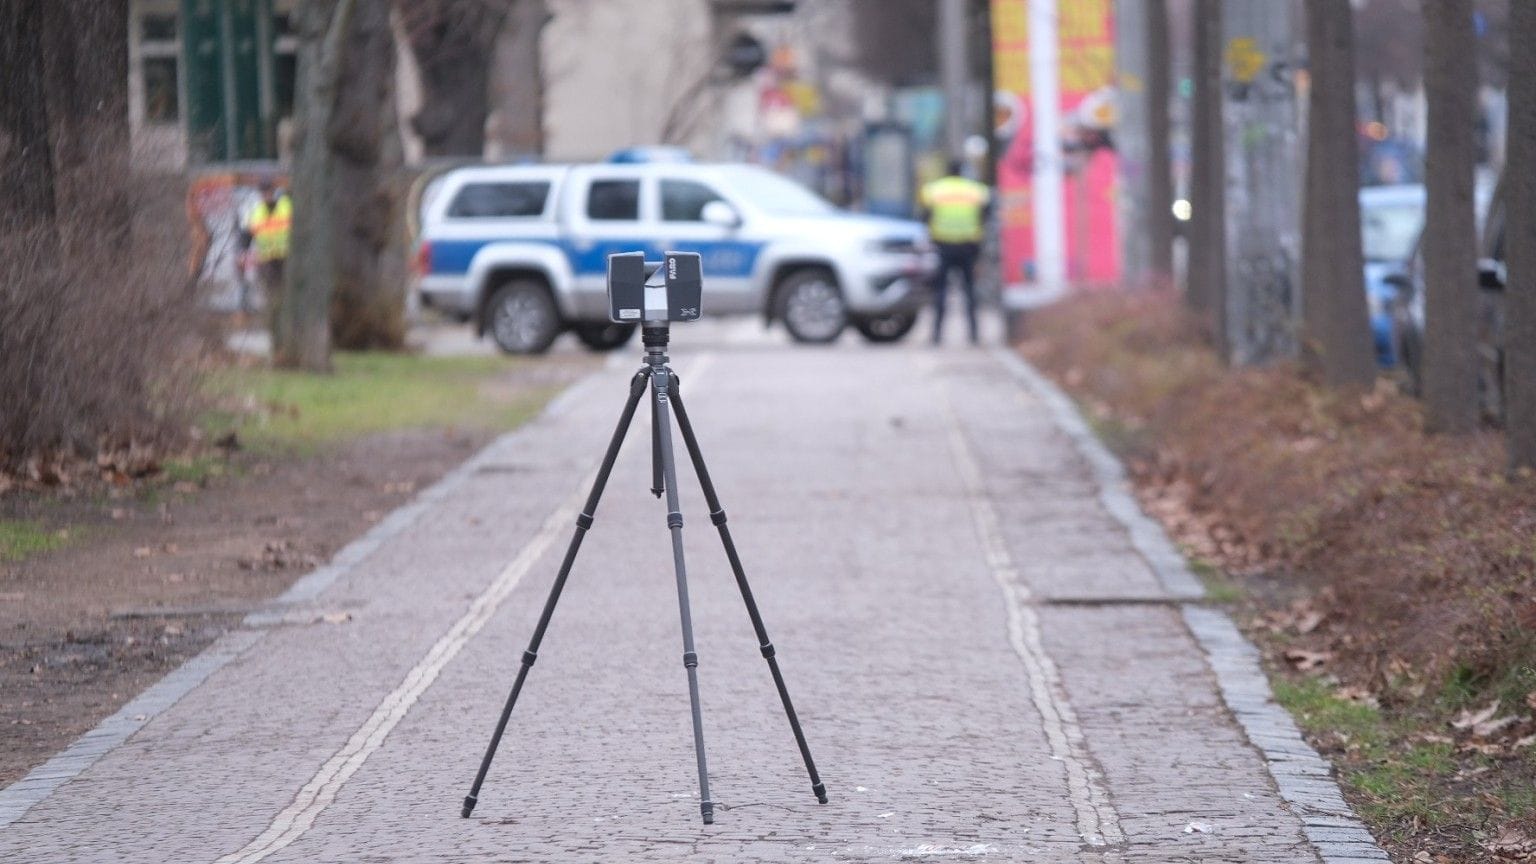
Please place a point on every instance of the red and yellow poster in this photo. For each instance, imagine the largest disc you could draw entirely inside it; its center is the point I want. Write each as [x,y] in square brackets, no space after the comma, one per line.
[1086,54]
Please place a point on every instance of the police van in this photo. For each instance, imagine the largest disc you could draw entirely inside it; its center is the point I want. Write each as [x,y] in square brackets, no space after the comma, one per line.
[521,251]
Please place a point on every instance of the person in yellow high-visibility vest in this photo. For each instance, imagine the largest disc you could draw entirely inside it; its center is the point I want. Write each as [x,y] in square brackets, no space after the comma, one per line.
[955,208]
[266,231]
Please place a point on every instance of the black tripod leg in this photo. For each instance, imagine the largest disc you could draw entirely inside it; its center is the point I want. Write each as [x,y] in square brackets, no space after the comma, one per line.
[657,486]
[660,386]
[717,516]
[583,522]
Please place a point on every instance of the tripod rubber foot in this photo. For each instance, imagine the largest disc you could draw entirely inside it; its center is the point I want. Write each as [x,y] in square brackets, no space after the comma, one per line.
[469,806]
[708,809]
[821,793]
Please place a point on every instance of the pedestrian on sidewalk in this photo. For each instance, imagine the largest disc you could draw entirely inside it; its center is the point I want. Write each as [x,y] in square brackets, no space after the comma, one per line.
[265,233]
[955,208]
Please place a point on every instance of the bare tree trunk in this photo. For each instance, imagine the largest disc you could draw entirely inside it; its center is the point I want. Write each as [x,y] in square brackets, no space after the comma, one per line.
[518,88]
[1520,243]
[301,322]
[1335,328]
[368,304]
[1450,232]
[453,42]
[1208,244]
[1159,214]
[26,163]
[86,66]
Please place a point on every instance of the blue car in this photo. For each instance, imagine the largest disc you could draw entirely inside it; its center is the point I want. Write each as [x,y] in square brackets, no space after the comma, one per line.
[1391,218]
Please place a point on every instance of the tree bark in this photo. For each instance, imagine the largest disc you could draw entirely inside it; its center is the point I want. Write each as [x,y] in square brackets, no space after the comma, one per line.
[26,162]
[86,87]
[517,90]
[453,42]
[1336,334]
[368,303]
[1450,232]
[1520,243]
[301,319]
[1159,215]
[1208,243]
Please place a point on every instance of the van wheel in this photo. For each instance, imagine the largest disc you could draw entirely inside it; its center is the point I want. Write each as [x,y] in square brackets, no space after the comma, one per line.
[522,318]
[887,328]
[811,306]
[604,337]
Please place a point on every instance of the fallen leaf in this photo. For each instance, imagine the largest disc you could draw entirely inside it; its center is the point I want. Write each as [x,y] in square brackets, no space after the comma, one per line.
[1358,695]
[1309,622]
[1468,719]
[1513,844]
[1305,660]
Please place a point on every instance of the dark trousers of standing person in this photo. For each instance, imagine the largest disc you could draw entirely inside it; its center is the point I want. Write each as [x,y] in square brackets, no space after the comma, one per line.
[961,257]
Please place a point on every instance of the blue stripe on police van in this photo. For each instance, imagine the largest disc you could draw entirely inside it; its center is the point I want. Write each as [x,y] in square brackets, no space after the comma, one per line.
[721,258]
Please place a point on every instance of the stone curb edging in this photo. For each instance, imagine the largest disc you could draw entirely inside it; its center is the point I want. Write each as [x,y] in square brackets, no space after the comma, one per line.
[1304,779]
[29,791]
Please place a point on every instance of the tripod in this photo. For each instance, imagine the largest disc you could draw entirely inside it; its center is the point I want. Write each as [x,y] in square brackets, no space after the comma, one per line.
[666,398]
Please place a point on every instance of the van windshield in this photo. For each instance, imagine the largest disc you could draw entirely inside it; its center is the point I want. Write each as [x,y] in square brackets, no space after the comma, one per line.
[777,195]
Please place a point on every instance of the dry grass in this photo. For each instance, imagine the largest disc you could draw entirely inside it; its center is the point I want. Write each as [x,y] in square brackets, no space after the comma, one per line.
[98,333]
[1410,558]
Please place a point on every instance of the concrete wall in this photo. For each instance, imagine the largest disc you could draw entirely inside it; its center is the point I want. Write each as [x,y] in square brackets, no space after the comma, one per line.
[617,72]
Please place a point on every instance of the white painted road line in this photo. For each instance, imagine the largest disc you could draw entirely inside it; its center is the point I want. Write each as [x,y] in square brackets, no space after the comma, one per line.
[1097,822]
[294,820]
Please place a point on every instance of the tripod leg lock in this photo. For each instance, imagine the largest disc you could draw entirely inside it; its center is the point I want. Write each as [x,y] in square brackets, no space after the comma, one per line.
[767,649]
[584,521]
[529,657]
[674,519]
[718,517]
[691,660]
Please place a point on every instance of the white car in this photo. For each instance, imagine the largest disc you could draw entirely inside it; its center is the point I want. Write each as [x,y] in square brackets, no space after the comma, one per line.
[522,250]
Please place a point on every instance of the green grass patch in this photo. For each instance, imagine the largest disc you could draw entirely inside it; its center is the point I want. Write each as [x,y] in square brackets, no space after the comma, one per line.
[1404,782]
[196,469]
[1219,588]
[369,393]
[20,539]
[1315,706]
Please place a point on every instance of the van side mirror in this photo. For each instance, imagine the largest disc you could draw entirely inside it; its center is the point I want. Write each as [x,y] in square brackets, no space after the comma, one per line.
[721,214]
[1491,275]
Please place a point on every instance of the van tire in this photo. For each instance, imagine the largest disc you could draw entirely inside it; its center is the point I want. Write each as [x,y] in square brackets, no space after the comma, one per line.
[887,328]
[811,306]
[604,337]
[521,317]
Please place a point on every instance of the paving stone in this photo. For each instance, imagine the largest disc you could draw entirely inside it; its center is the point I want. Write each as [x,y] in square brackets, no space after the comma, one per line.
[906,518]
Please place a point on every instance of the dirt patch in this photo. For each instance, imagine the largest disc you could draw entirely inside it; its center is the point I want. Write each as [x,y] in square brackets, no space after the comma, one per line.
[1395,570]
[110,578]
[152,579]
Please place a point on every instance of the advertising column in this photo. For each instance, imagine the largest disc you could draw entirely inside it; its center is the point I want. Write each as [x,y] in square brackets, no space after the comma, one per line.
[1084,145]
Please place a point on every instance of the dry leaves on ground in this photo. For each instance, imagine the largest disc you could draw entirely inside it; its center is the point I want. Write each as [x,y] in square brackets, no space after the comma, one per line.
[1512,844]
[1307,660]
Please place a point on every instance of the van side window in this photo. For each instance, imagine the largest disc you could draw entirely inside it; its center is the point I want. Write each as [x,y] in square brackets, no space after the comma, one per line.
[684,200]
[613,200]
[493,200]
